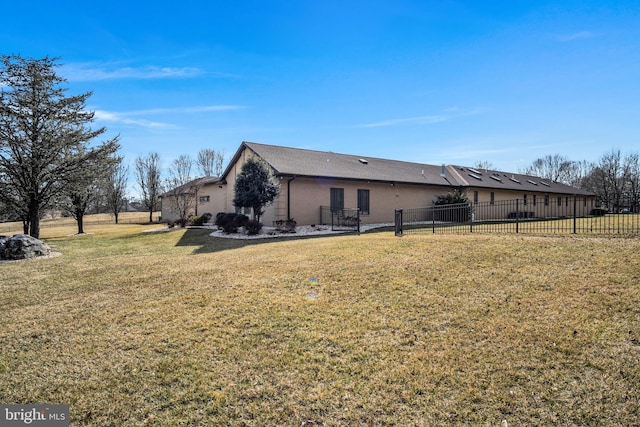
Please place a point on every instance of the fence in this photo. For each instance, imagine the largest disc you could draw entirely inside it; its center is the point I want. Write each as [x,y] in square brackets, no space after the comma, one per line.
[562,215]
[340,219]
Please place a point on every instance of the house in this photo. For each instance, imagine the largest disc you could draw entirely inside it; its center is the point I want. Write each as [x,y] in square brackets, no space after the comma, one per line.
[315,183]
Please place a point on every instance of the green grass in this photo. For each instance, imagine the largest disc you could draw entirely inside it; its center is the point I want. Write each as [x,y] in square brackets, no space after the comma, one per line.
[181,329]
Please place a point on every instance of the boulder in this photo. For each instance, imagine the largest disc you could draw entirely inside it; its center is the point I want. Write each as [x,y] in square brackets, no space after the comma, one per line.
[21,246]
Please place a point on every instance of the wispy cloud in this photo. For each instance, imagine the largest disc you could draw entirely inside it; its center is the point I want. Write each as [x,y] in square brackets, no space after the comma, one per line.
[580,35]
[185,110]
[132,117]
[124,119]
[449,114]
[423,120]
[94,72]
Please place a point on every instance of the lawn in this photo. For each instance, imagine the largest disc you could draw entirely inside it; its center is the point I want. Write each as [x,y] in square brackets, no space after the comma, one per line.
[177,328]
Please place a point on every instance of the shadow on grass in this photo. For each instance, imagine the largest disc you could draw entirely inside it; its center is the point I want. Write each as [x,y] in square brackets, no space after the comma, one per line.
[203,243]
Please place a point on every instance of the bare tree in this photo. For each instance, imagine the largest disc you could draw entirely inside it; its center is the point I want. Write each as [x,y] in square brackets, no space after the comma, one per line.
[148,178]
[210,162]
[183,190]
[631,167]
[116,188]
[483,165]
[554,167]
[85,188]
[44,137]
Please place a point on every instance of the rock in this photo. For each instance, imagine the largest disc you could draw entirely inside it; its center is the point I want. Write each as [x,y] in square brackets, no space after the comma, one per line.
[21,246]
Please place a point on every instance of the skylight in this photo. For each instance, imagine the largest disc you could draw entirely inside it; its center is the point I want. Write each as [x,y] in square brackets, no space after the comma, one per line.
[513,178]
[473,175]
[363,161]
[475,171]
[497,178]
[532,182]
[546,184]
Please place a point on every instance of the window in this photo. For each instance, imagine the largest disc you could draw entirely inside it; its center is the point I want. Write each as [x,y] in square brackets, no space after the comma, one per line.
[204,199]
[534,200]
[559,201]
[525,200]
[546,200]
[337,199]
[493,198]
[363,201]
[475,197]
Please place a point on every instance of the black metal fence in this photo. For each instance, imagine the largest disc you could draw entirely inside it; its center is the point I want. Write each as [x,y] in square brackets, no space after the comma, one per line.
[561,215]
[340,219]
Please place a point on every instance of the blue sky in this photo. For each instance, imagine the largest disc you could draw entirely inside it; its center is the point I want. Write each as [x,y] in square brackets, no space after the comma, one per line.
[452,82]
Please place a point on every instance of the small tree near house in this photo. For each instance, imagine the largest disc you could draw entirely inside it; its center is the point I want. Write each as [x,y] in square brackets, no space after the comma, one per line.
[255,188]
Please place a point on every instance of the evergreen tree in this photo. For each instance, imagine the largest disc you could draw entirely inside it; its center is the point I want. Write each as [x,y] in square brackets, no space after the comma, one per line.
[44,137]
[255,188]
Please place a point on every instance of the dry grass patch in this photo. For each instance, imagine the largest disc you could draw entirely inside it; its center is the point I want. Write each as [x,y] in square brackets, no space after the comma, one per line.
[349,330]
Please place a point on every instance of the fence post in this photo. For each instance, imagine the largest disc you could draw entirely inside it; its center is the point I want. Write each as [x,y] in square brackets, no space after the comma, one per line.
[398,221]
[517,215]
[433,217]
[358,219]
[575,212]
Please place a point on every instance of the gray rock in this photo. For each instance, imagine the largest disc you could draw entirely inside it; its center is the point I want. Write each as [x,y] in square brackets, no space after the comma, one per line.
[21,246]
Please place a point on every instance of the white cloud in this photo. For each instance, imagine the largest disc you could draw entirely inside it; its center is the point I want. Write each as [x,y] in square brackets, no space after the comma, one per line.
[451,113]
[185,110]
[580,35]
[93,72]
[423,120]
[128,117]
[122,118]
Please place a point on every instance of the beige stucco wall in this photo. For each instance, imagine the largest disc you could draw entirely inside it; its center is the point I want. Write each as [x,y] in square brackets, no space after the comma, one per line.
[309,194]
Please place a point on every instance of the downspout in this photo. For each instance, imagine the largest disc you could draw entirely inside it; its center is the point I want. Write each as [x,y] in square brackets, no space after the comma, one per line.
[289,197]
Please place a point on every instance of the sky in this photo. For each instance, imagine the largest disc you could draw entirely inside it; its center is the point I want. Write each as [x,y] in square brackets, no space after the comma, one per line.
[429,81]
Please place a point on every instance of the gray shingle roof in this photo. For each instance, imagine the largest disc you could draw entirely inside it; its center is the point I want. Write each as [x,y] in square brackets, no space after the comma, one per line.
[302,162]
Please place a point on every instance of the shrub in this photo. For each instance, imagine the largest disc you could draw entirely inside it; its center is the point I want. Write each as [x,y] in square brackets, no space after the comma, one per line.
[182,222]
[206,217]
[286,226]
[171,224]
[199,220]
[230,222]
[458,210]
[598,212]
[253,227]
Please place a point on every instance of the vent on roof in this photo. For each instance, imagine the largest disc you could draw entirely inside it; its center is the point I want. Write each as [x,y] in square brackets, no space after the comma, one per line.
[532,182]
[475,171]
[546,184]
[442,173]
[473,175]
[497,178]
[363,161]
[513,178]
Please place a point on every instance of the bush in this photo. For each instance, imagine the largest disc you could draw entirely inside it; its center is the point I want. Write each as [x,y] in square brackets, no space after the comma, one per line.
[598,212]
[286,226]
[171,224]
[454,207]
[230,222]
[199,220]
[182,222]
[253,227]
